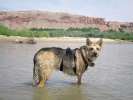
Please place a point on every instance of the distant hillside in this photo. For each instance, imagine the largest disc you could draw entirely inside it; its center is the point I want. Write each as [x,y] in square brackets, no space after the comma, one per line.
[41,19]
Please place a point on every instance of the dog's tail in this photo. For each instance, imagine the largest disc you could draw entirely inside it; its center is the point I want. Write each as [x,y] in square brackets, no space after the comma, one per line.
[35,73]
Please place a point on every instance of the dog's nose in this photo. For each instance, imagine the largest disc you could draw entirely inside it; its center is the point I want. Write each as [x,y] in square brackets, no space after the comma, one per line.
[95,54]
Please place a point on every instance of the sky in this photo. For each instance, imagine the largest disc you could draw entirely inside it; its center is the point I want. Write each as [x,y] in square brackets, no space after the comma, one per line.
[113,10]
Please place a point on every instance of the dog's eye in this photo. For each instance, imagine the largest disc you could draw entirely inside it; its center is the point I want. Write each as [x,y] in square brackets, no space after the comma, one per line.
[97,48]
[91,49]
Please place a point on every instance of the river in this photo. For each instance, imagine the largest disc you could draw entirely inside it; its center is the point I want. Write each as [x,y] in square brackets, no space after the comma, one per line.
[110,79]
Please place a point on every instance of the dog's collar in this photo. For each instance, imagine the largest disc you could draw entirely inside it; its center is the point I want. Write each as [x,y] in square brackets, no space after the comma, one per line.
[89,60]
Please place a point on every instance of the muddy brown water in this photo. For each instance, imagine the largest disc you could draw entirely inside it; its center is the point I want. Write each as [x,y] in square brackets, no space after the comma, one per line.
[110,79]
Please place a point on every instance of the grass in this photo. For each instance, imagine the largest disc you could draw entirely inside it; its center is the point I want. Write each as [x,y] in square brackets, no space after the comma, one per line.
[71,32]
[24,33]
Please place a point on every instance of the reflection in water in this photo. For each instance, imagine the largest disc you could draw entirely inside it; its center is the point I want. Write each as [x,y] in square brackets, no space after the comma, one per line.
[72,92]
[41,94]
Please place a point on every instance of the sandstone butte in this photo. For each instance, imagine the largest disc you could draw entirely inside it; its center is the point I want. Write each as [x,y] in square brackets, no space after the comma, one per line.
[45,19]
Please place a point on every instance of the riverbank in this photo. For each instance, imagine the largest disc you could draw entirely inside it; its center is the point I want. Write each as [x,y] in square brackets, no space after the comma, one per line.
[18,39]
[70,32]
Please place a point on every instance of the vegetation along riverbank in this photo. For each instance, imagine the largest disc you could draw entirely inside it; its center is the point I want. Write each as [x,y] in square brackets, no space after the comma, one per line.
[70,32]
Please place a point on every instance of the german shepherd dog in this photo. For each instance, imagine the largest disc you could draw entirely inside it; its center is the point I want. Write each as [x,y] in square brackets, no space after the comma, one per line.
[70,61]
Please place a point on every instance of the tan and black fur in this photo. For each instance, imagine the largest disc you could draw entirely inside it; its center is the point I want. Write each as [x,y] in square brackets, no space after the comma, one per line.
[70,61]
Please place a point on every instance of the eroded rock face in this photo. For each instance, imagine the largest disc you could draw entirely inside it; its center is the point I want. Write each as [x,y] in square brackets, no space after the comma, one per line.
[40,19]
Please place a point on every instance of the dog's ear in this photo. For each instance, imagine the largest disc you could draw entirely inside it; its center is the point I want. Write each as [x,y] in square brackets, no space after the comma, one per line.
[100,42]
[88,41]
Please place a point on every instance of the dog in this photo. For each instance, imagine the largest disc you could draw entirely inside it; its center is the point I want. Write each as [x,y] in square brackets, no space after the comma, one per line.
[71,61]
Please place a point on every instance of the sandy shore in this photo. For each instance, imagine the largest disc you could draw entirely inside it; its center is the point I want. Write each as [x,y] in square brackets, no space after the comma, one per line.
[57,39]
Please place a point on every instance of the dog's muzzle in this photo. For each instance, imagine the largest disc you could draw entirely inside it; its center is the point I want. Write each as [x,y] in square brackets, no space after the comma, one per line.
[94,54]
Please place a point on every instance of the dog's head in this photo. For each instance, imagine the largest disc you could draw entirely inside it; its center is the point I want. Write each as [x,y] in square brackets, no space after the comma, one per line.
[94,47]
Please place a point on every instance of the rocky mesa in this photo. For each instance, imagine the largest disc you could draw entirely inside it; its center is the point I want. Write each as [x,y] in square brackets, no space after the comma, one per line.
[45,19]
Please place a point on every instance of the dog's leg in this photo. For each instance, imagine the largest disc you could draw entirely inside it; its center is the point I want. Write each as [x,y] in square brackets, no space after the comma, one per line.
[79,79]
[42,79]
[41,83]
[45,75]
